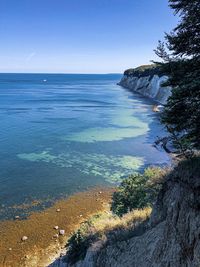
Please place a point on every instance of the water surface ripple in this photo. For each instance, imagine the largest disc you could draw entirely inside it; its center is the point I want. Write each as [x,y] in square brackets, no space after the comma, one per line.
[61,134]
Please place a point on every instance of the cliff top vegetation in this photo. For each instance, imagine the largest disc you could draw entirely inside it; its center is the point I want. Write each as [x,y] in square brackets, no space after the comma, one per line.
[144,70]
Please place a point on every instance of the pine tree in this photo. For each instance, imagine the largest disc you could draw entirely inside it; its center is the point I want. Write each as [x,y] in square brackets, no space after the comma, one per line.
[182,64]
[185,38]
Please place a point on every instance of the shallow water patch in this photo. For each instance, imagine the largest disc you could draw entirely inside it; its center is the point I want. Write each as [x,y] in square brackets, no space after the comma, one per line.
[109,134]
[111,168]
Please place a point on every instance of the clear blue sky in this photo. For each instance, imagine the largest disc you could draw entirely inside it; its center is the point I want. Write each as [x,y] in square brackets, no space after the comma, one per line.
[80,36]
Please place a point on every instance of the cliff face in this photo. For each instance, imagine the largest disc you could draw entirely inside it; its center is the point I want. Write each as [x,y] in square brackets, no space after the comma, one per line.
[148,82]
[170,238]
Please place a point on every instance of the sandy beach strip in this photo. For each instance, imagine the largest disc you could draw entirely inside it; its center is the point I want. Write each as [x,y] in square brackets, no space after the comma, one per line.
[42,245]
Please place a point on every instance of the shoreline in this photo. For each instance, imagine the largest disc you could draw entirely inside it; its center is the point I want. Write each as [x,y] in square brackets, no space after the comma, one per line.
[42,247]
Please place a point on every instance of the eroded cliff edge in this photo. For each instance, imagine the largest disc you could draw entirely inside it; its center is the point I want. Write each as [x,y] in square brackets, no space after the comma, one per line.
[147,81]
[170,238]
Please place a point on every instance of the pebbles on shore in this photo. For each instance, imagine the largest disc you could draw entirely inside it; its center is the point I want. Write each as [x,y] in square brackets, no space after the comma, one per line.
[39,228]
[62,232]
[24,238]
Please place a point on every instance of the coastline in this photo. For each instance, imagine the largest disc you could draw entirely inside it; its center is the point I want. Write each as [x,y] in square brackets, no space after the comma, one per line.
[42,248]
[148,82]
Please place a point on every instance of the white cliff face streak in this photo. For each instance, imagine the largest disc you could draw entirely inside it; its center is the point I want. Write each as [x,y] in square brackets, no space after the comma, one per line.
[149,86]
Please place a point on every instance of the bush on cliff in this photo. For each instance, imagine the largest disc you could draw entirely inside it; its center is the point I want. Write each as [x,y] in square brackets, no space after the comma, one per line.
[131,205]
[78,244]
[137,191]
[104,228]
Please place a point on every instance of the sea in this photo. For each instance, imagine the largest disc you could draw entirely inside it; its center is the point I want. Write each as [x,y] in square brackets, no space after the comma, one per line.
[65,133]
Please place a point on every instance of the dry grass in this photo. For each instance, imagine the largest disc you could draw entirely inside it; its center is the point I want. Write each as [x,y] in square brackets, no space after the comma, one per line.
[104,227]
[156,175]
[106,222]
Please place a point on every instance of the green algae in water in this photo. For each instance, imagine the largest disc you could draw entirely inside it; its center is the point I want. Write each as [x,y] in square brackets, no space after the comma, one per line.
[43,156]
[111,168]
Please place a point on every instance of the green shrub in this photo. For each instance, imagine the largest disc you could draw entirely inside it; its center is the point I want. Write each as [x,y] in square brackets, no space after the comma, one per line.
[137,191]
[104,227]
[77,246]
[81,240]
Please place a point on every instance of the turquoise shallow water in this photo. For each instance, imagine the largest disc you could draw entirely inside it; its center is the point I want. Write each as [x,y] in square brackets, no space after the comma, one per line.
[61,134]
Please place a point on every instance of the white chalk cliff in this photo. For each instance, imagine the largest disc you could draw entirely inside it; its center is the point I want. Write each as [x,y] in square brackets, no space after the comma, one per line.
[149,86]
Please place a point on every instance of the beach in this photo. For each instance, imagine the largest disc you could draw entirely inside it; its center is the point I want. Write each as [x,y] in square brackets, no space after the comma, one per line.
[42,247]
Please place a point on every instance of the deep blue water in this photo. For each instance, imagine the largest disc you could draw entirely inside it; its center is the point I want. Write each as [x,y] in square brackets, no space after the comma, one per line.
[61,134]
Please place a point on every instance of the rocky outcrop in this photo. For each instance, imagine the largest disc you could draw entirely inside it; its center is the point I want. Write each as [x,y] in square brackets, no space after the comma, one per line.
[147,81]
[172,236]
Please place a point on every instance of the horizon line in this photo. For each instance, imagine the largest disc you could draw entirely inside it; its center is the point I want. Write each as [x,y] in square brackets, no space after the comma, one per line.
[65,73]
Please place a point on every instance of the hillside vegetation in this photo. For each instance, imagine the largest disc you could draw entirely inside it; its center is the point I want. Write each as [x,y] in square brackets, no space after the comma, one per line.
[143,71]
[167,236]
[130,209]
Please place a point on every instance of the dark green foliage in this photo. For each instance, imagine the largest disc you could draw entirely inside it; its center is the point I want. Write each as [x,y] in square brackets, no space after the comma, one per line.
[131,194]
[77,246]
[137,191]
[144,70]
[185,39]
[182,112]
